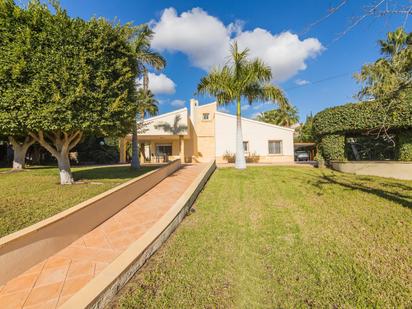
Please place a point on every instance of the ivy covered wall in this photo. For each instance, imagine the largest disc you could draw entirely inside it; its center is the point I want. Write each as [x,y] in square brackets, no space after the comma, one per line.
[332,125]
[404,146]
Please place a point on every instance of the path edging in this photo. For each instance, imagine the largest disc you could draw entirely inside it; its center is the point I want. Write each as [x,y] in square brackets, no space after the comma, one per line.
[25,248]
[101,290]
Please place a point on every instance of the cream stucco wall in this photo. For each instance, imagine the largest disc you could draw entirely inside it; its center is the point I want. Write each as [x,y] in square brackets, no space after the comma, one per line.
[151,123]
[212,138]
[256,133]
[204,131]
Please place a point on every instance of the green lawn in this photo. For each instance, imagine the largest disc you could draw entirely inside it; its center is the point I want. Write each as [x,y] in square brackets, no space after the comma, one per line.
[284,237]
[34,194]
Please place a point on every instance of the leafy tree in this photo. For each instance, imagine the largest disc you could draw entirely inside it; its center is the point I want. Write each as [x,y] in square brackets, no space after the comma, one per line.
[389,79]
[64,77]
[145,57]
[283,116]
[305,132]
[239,79]
[11,19]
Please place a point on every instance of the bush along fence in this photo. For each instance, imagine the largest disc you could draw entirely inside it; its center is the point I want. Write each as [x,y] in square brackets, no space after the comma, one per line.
[333,126]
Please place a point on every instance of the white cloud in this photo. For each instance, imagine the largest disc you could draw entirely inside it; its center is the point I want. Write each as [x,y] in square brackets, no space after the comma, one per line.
[285,53]
[160,84]
[197,34]
[301,82]
[254,115]
[178,103]
[205,40]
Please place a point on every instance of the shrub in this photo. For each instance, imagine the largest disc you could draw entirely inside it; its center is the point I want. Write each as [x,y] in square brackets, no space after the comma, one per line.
[231,158]
[404,147]
[332,147]
[361,117]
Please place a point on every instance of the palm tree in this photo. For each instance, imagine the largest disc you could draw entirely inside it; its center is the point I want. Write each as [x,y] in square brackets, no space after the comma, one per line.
[241,78]
[395,42]
[284,116]
[147,106]
[147,103]
[145,57]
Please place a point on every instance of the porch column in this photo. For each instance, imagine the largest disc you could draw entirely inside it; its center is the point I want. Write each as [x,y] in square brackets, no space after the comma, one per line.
[122,150]
[182,149]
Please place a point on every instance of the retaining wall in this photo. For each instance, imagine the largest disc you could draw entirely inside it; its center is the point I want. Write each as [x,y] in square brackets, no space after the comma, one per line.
[25,248]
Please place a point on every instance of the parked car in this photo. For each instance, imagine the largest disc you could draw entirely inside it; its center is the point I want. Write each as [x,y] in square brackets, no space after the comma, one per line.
[301,155]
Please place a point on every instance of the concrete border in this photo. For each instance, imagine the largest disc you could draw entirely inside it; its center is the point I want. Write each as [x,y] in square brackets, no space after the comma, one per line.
[390,169]
[100,291]
[25,248]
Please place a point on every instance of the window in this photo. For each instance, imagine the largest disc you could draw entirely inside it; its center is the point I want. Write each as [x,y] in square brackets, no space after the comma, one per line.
[205,116]
[246,146]
[163,149]
[275,147]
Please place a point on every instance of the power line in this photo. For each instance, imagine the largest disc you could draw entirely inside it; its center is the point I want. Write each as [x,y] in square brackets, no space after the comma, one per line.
[320,81]
[332,11]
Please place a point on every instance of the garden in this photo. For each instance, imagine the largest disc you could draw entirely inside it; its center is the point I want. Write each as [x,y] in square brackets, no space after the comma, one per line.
[29,196]
[284,237]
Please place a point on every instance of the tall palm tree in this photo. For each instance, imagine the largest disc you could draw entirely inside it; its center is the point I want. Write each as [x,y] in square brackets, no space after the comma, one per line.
[283,116]
[241,78]
[147,106]
[145,58]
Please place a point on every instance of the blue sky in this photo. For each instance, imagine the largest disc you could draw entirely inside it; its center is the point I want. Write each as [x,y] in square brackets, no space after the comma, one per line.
[314,67]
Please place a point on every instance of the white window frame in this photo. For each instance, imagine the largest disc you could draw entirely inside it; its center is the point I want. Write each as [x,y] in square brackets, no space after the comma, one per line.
[280,150]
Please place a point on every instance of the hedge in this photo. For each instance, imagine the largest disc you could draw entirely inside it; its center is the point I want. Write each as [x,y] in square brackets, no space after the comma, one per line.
[332,147]
[361,117]
[332,125]
[404,146]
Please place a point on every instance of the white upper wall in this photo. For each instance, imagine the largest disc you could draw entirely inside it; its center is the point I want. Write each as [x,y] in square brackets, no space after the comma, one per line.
[169,118]
[255,132]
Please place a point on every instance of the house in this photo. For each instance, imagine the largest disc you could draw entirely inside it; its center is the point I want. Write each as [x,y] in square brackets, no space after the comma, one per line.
[205,133]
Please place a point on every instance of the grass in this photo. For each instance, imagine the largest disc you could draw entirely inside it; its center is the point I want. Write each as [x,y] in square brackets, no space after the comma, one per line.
[284,237]
[34,194]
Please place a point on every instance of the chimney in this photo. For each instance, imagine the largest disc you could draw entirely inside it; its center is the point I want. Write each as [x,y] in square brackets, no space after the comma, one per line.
[193,104]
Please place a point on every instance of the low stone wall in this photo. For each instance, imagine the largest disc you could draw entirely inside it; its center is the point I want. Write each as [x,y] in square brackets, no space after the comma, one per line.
[391,169]
[101,290]
[21,250]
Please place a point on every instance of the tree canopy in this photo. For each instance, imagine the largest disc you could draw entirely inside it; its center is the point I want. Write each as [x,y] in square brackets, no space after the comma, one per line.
[61,77]
[283,116]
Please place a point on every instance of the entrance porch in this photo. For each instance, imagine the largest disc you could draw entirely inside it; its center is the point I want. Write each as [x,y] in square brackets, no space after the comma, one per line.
[157,149]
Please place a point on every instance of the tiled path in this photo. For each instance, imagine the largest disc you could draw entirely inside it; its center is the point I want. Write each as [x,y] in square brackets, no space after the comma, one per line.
[53,281]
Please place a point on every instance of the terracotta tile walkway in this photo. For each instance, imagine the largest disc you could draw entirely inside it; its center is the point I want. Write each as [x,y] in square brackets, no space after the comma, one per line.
[53,281]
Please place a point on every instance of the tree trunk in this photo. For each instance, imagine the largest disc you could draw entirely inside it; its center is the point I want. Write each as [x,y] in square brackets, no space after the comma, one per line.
[240,161]
[66,177]
[135,144]
[135,148]
[19,158]
[59,145]
[354,149]
[19,151]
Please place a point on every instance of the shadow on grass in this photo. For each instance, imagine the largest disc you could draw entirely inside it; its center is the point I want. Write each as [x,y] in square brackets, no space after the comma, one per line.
[110,172]
[396,197]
